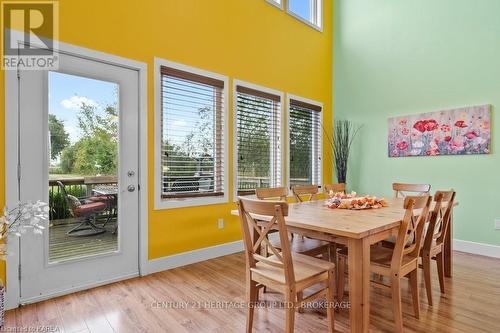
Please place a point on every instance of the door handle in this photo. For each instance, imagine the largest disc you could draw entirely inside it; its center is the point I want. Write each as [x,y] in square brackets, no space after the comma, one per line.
[131,188]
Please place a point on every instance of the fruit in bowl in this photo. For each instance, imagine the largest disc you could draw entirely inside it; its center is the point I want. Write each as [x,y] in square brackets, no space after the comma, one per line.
[356,203]
[341,195]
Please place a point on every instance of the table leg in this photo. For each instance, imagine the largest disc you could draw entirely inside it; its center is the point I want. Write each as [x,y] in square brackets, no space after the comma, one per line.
[359,284]
[448,249]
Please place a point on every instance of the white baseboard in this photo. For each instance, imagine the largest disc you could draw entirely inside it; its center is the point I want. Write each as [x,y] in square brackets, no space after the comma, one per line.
[476,248]
[191,257]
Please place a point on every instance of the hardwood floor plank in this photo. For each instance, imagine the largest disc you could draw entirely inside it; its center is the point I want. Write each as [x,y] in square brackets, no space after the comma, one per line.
[70,308]
[471,304]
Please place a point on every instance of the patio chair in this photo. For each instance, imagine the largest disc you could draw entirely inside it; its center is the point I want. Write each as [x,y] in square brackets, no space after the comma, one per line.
[111,206]
[86,210]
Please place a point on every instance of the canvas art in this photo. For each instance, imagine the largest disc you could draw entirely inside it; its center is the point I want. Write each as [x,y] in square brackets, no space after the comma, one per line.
[463,131]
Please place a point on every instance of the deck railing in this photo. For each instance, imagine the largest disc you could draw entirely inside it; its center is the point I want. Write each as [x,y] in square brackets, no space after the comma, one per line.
[79,187]
[246,184]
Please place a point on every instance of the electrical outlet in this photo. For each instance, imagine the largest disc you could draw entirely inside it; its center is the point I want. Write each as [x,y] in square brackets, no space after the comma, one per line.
[220,223]
[497,224]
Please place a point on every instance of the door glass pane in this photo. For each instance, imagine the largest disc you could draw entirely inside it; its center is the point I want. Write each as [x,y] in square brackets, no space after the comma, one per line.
[83,164]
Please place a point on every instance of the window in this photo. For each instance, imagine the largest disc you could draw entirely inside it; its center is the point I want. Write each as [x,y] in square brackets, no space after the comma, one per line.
[309,11]
[305,145]
[277,3]
[258,138]
[192,136]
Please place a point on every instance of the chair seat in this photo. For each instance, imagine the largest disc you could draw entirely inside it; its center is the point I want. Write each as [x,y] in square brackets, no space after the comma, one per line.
[89,208]
[305,267]
[392,240]
[379,255]
[304,245]
[434,249]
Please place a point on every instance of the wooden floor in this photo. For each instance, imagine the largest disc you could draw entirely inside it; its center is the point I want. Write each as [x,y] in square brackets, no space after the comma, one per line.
[471,304]
[63,247]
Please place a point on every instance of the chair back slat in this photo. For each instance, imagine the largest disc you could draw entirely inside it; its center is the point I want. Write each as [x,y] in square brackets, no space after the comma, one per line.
[63,191]
[440,218]
[304,193]
[410,232]
[402,190]
[69,203]
[272,193]
[334,188]
[254,216]
[264,231]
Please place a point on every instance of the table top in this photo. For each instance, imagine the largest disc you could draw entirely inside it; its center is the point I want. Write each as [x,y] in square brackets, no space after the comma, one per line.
[106,190]
[315,216]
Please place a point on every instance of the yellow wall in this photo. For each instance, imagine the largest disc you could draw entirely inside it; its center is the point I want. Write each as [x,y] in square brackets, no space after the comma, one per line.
[248,40]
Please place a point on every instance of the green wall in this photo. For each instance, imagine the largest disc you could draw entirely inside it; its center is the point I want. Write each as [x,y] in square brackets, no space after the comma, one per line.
[398,57]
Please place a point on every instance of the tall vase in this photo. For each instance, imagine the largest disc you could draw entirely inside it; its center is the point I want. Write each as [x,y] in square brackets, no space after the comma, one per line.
[344,132]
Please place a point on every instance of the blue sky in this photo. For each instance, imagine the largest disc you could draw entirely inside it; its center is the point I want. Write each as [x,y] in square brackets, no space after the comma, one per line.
[67,92]
[300,7]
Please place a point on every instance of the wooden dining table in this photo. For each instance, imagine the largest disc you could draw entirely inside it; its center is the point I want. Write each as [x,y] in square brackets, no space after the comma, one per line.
[358,230]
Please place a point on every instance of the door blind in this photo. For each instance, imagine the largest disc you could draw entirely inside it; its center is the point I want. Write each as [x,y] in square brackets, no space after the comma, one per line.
[305,143]
[258,139]
[192,135]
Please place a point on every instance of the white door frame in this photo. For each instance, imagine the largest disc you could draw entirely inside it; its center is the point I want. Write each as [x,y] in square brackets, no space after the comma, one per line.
[11,158]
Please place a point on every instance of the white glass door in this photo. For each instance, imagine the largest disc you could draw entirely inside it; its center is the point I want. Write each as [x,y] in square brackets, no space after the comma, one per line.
[79,153]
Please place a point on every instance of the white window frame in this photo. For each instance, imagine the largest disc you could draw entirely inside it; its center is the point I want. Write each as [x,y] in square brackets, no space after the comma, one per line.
[276,3]
[159,202]
[290,97]
[316,13]
[281,95]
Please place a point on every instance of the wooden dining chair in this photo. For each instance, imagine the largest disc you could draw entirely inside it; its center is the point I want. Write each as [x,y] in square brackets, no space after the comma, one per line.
[302,245]
[284,271]
[271,193]
[435,235]
[401,190]
[399,262]
[339,187]
[303,193]
[340,243]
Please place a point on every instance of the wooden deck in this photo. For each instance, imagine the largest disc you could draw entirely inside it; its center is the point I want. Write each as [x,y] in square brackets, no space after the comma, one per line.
[63,247]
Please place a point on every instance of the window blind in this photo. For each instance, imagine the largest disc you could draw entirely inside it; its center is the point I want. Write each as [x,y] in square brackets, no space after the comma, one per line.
[258,140]
[192,134]
[305,143]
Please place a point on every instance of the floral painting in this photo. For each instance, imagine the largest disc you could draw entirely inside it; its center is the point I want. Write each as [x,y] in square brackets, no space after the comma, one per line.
[462,131]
